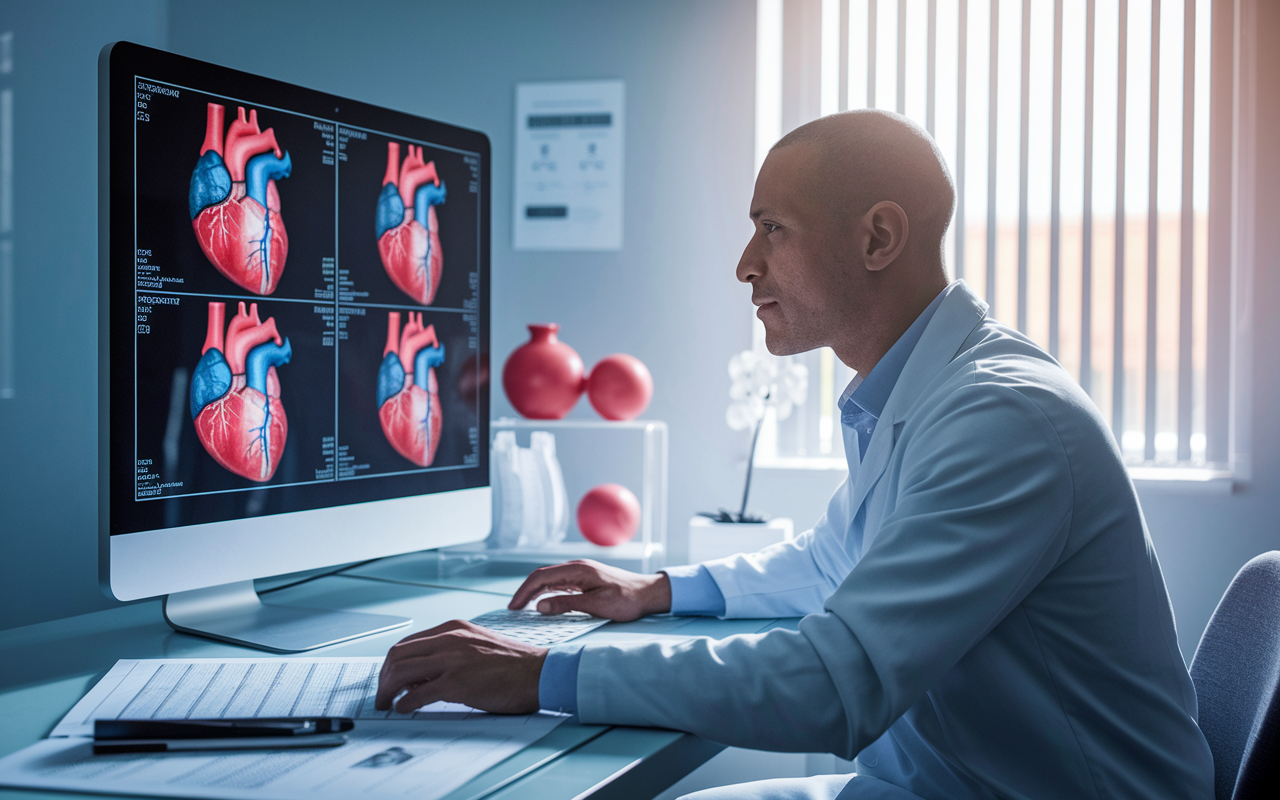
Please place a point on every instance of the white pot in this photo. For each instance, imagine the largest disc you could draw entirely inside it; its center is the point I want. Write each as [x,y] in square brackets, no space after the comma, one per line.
[709,539]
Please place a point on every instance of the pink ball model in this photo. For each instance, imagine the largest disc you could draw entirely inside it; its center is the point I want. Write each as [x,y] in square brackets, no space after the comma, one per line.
[609,515]
[620,387]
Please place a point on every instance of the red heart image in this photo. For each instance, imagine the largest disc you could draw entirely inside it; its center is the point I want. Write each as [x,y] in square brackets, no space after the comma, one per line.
[407,229]
[235,393]
[408,394]
[234,202]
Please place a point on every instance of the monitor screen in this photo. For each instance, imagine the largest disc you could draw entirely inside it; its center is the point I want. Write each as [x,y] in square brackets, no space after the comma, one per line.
[294,311]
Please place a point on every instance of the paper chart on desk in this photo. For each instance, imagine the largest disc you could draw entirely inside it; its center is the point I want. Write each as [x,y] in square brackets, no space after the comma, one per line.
[425,755]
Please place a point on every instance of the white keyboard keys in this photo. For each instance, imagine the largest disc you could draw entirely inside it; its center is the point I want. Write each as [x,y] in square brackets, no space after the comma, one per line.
[543,630]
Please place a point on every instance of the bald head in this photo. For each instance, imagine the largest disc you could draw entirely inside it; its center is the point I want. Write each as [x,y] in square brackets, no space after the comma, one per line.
[850,213]
[863,157]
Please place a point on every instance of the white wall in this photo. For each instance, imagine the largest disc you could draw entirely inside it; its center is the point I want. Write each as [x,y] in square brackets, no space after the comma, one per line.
[48,432]
[669,297]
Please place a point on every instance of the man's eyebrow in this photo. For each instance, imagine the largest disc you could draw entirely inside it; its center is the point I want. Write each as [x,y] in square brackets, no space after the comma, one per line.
[759,212]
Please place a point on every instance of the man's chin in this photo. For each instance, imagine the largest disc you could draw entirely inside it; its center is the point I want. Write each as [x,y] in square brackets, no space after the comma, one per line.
[781,346]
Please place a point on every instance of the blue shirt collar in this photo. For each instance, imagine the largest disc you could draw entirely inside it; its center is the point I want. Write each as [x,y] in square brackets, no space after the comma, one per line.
[870,394]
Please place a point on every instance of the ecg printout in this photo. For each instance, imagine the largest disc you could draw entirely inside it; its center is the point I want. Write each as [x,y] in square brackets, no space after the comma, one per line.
[423,755]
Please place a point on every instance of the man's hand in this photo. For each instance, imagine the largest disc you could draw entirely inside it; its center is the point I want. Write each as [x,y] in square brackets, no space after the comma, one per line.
[461,663]
[599,590]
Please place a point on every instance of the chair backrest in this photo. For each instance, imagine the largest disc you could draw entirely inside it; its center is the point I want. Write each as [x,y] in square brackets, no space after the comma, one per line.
[1236,671]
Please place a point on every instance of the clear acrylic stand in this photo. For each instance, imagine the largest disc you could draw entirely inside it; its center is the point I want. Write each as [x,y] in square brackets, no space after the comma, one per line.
[591,452]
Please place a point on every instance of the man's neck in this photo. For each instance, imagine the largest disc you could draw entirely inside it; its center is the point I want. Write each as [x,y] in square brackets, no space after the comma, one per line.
[870,342]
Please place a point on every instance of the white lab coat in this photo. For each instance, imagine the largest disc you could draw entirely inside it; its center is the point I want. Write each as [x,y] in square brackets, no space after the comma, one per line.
[1006,613]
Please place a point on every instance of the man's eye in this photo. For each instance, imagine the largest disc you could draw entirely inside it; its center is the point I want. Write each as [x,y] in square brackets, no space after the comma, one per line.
[769,227]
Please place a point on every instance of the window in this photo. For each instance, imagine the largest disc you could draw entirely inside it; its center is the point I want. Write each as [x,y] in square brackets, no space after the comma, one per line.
[1078,137]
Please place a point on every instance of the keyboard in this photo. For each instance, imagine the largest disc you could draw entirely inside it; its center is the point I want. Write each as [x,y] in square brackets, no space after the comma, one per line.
[543,630]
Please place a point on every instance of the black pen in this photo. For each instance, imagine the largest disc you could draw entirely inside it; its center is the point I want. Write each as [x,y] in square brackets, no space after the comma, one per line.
[164,735]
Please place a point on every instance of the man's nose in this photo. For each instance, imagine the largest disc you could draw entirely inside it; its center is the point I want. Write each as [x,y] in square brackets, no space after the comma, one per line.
[750,266]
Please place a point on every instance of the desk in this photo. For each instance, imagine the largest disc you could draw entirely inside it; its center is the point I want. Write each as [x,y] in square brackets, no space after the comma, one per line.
[46,668]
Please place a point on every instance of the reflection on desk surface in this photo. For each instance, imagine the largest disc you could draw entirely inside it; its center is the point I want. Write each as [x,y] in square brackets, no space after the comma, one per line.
[429,569]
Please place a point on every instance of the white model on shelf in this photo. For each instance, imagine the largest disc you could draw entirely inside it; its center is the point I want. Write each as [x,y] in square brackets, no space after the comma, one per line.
[530,507]
[590,452]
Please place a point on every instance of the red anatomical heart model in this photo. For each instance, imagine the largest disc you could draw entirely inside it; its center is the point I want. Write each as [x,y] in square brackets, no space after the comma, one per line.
[407,229]
[408,395]
[234,203]
[235,393]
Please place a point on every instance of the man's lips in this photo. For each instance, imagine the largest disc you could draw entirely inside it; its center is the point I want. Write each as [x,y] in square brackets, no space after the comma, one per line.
[765,307]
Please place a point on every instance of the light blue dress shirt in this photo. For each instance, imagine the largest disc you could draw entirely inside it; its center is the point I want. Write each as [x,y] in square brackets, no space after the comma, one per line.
[693,591]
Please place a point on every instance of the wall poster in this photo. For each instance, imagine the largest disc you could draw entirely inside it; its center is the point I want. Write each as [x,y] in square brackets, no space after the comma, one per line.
[568,172]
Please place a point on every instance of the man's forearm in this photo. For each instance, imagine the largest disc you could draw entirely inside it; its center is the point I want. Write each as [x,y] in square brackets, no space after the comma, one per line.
[768,692]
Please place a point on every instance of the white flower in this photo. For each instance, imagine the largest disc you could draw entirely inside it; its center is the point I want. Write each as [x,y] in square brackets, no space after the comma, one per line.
[761,380]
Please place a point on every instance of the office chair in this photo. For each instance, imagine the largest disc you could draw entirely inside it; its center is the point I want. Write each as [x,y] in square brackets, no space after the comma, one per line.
[1236,670]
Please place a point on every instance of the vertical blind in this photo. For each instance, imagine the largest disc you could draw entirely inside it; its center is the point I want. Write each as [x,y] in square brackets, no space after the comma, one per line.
[1077,132]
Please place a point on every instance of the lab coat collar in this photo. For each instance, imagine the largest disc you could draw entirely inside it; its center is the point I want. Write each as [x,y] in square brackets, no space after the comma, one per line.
[959,313]
[871,395]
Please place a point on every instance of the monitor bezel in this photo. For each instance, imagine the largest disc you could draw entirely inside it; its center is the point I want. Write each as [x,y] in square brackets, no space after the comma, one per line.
[168,560]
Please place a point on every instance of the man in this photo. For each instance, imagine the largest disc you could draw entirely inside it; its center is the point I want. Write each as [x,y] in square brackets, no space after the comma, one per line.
[985,616]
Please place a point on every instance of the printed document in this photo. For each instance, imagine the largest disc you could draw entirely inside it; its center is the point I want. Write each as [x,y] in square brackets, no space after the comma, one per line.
[423,755]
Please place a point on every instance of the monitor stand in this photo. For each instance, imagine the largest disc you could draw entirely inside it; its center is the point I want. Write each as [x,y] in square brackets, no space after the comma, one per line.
[234,613]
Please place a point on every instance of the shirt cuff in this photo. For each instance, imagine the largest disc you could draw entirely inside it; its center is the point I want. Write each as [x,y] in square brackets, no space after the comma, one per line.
[558,683]
[694,593]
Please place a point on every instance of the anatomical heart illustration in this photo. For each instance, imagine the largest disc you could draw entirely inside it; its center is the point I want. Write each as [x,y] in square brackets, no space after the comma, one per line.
[408,395]
[234,203]
[235,393]
[407,228]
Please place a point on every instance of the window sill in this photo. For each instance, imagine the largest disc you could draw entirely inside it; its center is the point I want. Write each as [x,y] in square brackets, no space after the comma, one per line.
[1185,480]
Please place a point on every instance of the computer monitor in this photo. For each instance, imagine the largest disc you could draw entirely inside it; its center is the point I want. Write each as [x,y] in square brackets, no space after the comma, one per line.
[293,338]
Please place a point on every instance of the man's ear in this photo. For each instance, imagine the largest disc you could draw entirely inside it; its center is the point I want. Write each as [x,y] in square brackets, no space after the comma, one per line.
[883,230]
